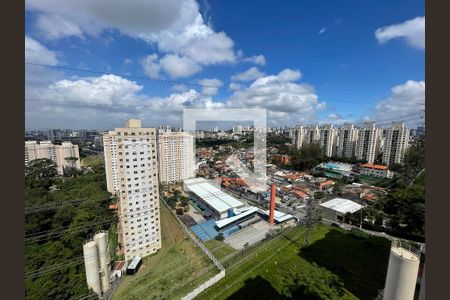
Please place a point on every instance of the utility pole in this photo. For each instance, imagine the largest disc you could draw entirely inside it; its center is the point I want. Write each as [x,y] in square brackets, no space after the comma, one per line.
[360,218]
[310,220]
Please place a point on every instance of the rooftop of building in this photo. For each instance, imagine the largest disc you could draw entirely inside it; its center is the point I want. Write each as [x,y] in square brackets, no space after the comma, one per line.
[342,205]
[212,195]
[373,166]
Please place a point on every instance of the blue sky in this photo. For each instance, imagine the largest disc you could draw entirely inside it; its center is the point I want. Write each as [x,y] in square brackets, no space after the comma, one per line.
[343,60]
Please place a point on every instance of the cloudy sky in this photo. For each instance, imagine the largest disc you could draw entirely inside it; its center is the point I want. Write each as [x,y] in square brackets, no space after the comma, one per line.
[304,61]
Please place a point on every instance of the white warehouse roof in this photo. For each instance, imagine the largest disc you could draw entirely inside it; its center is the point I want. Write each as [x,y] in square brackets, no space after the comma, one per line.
[212,195]
[342,205]
[279,216]
[225,222]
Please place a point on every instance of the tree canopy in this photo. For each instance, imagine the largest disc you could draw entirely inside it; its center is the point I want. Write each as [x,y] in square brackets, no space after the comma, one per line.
[69,281]
[307,157]
[405,202]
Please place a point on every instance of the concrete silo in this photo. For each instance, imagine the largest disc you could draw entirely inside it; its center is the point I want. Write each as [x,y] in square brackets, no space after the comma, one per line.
[91,266]
[402,272]
[103,253]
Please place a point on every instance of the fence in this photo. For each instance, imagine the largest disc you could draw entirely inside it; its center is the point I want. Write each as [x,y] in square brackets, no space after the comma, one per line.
[107,295]
[219,266]
[210,282]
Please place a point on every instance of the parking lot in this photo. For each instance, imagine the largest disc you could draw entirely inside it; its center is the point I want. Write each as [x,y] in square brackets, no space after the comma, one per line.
[251,235]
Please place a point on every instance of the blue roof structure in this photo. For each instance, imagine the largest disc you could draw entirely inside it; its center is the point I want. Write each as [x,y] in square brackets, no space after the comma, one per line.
[205,231]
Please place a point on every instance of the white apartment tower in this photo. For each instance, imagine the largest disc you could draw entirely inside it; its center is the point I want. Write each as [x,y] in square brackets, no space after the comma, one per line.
[312,135]
[368,143]
[299,136]
[328,139]
[346,142]
[176,156]
[132,175]
[65,155]
[395,143]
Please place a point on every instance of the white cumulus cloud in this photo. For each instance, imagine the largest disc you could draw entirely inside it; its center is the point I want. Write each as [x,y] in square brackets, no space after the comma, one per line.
[288,102]
[35,52]
[174,26]
[151,65]
[405,99]
[251,74]
[177,66]
[210,86]
[413,31]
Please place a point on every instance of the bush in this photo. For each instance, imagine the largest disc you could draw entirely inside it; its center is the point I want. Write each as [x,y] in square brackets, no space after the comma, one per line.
[220,237]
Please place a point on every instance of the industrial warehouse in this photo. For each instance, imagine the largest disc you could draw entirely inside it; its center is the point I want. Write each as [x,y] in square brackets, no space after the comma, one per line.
[230,217]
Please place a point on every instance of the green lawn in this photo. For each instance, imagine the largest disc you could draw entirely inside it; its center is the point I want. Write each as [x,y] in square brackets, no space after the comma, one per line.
[171,273]
[280,270]
[219,249]
[91,161]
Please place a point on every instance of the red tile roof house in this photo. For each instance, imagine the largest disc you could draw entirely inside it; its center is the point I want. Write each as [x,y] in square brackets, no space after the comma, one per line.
[326,184]
[300,194]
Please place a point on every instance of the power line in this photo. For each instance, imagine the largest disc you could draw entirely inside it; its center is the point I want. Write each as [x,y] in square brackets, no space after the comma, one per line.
[56,205]
[80,260]
[193,84]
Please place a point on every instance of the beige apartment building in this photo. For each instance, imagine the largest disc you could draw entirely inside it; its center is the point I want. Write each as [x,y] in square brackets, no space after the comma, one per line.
[65,155]
[312,135]
[346,141]
[132,175]
[328,139]
[395,143]
[368,143]
[176,156]
[299,136]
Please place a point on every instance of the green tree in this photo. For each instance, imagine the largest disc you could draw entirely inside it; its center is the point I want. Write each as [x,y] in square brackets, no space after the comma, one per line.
[313,283]
[92,214]
[405,202]
[307,157]
[40,173]
[220,237]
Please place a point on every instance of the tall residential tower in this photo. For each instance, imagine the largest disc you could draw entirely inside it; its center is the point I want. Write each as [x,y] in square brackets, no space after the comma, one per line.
[368,143]
[176,156]
[132,175]
[328,139]
[346,143]
[395,144]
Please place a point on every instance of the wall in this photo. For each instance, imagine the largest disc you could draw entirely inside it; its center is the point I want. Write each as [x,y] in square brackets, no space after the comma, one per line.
[210,282]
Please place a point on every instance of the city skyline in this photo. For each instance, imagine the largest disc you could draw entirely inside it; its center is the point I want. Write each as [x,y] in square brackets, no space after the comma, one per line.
[328,71]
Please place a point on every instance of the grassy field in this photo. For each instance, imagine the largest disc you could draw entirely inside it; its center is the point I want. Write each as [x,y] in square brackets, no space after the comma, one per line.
[171,273]
[219,249]
[91,161]
[271,271]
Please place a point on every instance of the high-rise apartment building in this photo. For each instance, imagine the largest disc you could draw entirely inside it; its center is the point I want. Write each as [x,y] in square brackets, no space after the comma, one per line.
[176,156]
[237,129]
[346,141]
[65,155]
[395,143]
[35,150]
[312,134]
[328,139]
[132,175]
[368,143]
[299,136]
